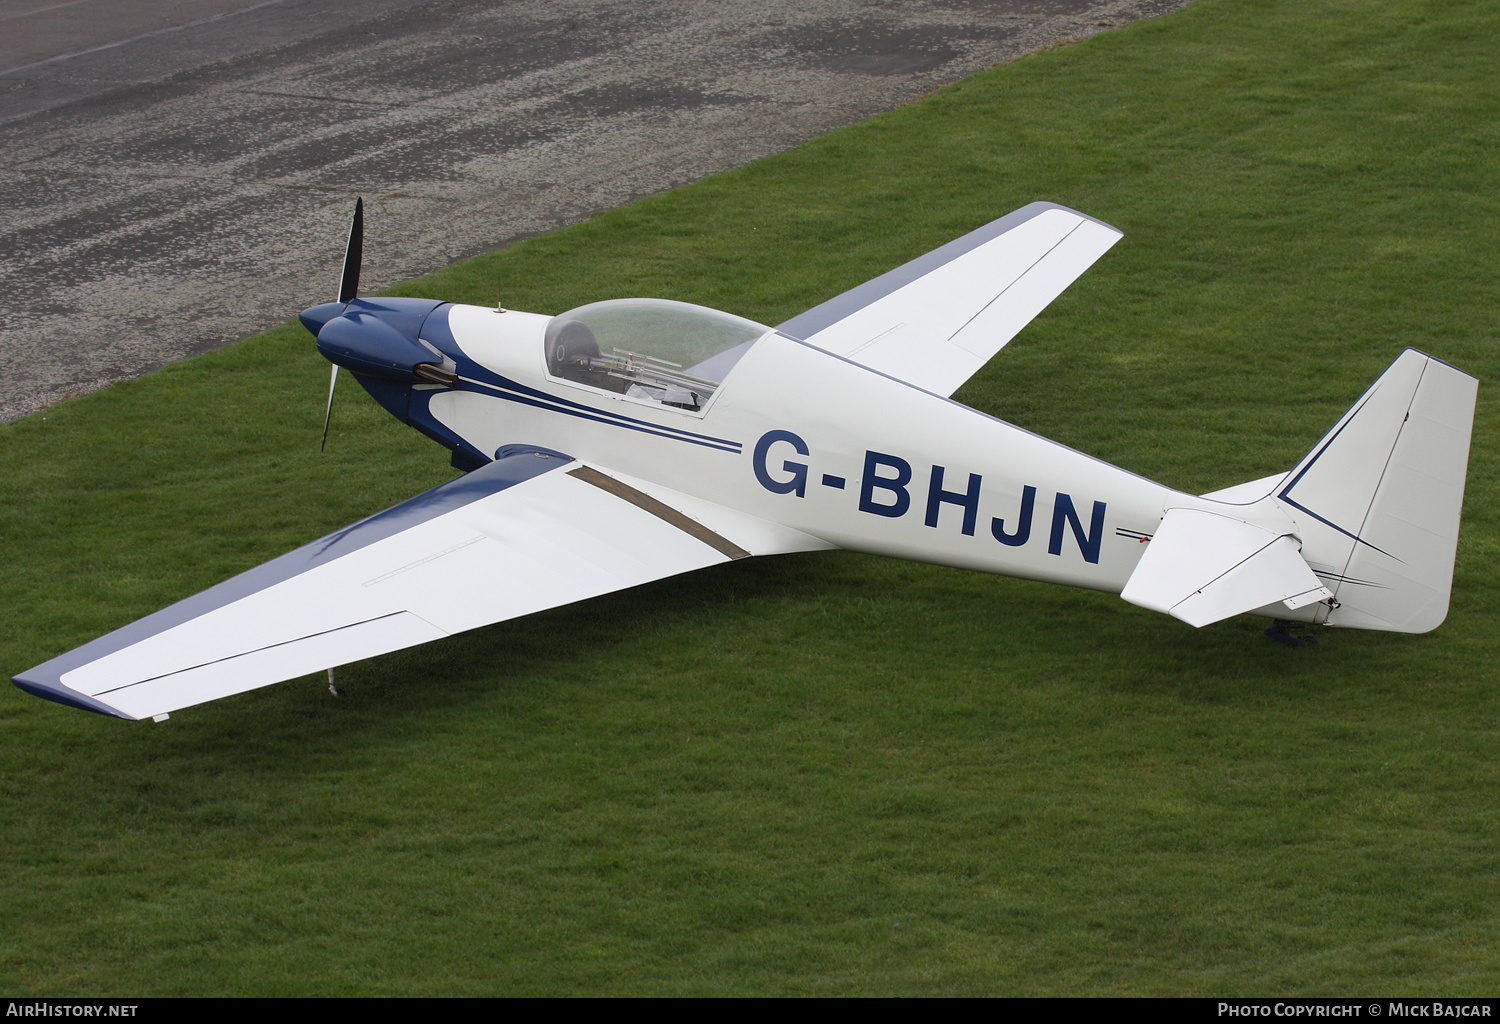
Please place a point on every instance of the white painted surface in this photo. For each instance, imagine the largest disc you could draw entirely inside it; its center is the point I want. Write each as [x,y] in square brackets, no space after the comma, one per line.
[1410,532]
[548,541]
[802,450]
[936,331]
[1202,567]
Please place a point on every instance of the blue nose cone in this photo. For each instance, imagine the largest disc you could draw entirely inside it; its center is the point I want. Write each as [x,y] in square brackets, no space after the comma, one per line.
[314,317]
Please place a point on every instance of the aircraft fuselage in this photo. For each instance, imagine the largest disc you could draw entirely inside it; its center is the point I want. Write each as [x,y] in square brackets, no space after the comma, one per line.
[816,443]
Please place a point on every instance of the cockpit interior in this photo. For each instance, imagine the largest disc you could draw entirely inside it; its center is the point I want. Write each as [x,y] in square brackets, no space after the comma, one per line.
[672,353]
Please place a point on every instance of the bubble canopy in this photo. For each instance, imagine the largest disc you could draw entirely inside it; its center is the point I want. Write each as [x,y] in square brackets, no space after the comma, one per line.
[673,353]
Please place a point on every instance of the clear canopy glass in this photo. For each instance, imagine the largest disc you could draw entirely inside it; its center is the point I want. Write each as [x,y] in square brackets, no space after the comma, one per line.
[674,353]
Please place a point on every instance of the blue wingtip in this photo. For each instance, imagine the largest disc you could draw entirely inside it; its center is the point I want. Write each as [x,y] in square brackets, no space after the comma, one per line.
[54,690]
[513,465]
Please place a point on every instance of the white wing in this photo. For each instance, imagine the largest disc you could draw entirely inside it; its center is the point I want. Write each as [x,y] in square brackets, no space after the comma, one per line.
[936,320]
[532,530]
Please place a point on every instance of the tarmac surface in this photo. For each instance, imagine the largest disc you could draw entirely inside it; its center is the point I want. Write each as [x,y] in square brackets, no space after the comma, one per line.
[178,174]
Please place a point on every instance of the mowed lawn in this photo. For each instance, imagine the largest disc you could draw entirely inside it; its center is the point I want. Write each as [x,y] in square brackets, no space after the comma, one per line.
[834,774]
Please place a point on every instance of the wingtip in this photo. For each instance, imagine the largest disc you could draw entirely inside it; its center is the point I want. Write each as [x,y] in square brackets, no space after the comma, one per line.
[54,690]
[1042,206]
[1439,361]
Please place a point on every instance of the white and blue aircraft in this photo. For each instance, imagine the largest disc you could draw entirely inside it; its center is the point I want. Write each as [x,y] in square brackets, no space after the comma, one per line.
[634,439]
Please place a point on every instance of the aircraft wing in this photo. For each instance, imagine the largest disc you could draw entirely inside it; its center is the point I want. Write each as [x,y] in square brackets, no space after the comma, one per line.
[532,530]
[936,320]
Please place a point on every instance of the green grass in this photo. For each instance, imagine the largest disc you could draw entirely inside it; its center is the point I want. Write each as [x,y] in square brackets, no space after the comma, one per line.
[831,773]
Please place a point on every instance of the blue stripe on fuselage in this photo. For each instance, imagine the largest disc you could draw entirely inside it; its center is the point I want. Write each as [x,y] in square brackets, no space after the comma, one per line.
[437,330]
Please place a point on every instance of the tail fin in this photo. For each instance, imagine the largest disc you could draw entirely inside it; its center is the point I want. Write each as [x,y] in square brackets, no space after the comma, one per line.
[1377,500]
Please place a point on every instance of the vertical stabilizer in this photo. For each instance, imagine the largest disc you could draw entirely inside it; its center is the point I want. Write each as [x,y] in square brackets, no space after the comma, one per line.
[1377,501]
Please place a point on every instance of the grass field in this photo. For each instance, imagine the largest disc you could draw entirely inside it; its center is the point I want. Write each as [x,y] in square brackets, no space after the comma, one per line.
[833,774]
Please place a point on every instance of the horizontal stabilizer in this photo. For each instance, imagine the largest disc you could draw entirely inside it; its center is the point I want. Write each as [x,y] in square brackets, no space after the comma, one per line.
[1201,567]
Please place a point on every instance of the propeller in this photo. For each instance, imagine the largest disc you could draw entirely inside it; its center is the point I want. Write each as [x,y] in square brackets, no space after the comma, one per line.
[348,289]
[333,378]
[349,283]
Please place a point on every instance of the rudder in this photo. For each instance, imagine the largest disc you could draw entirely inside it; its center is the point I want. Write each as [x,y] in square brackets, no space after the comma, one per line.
[1377,500]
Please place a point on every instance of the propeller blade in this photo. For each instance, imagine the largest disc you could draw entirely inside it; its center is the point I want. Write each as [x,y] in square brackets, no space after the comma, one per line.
[333,379]
[353,252]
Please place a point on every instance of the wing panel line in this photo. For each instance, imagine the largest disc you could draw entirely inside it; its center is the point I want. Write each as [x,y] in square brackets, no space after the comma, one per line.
[268,647]
[804,325]
[1020,277]
[483,482]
